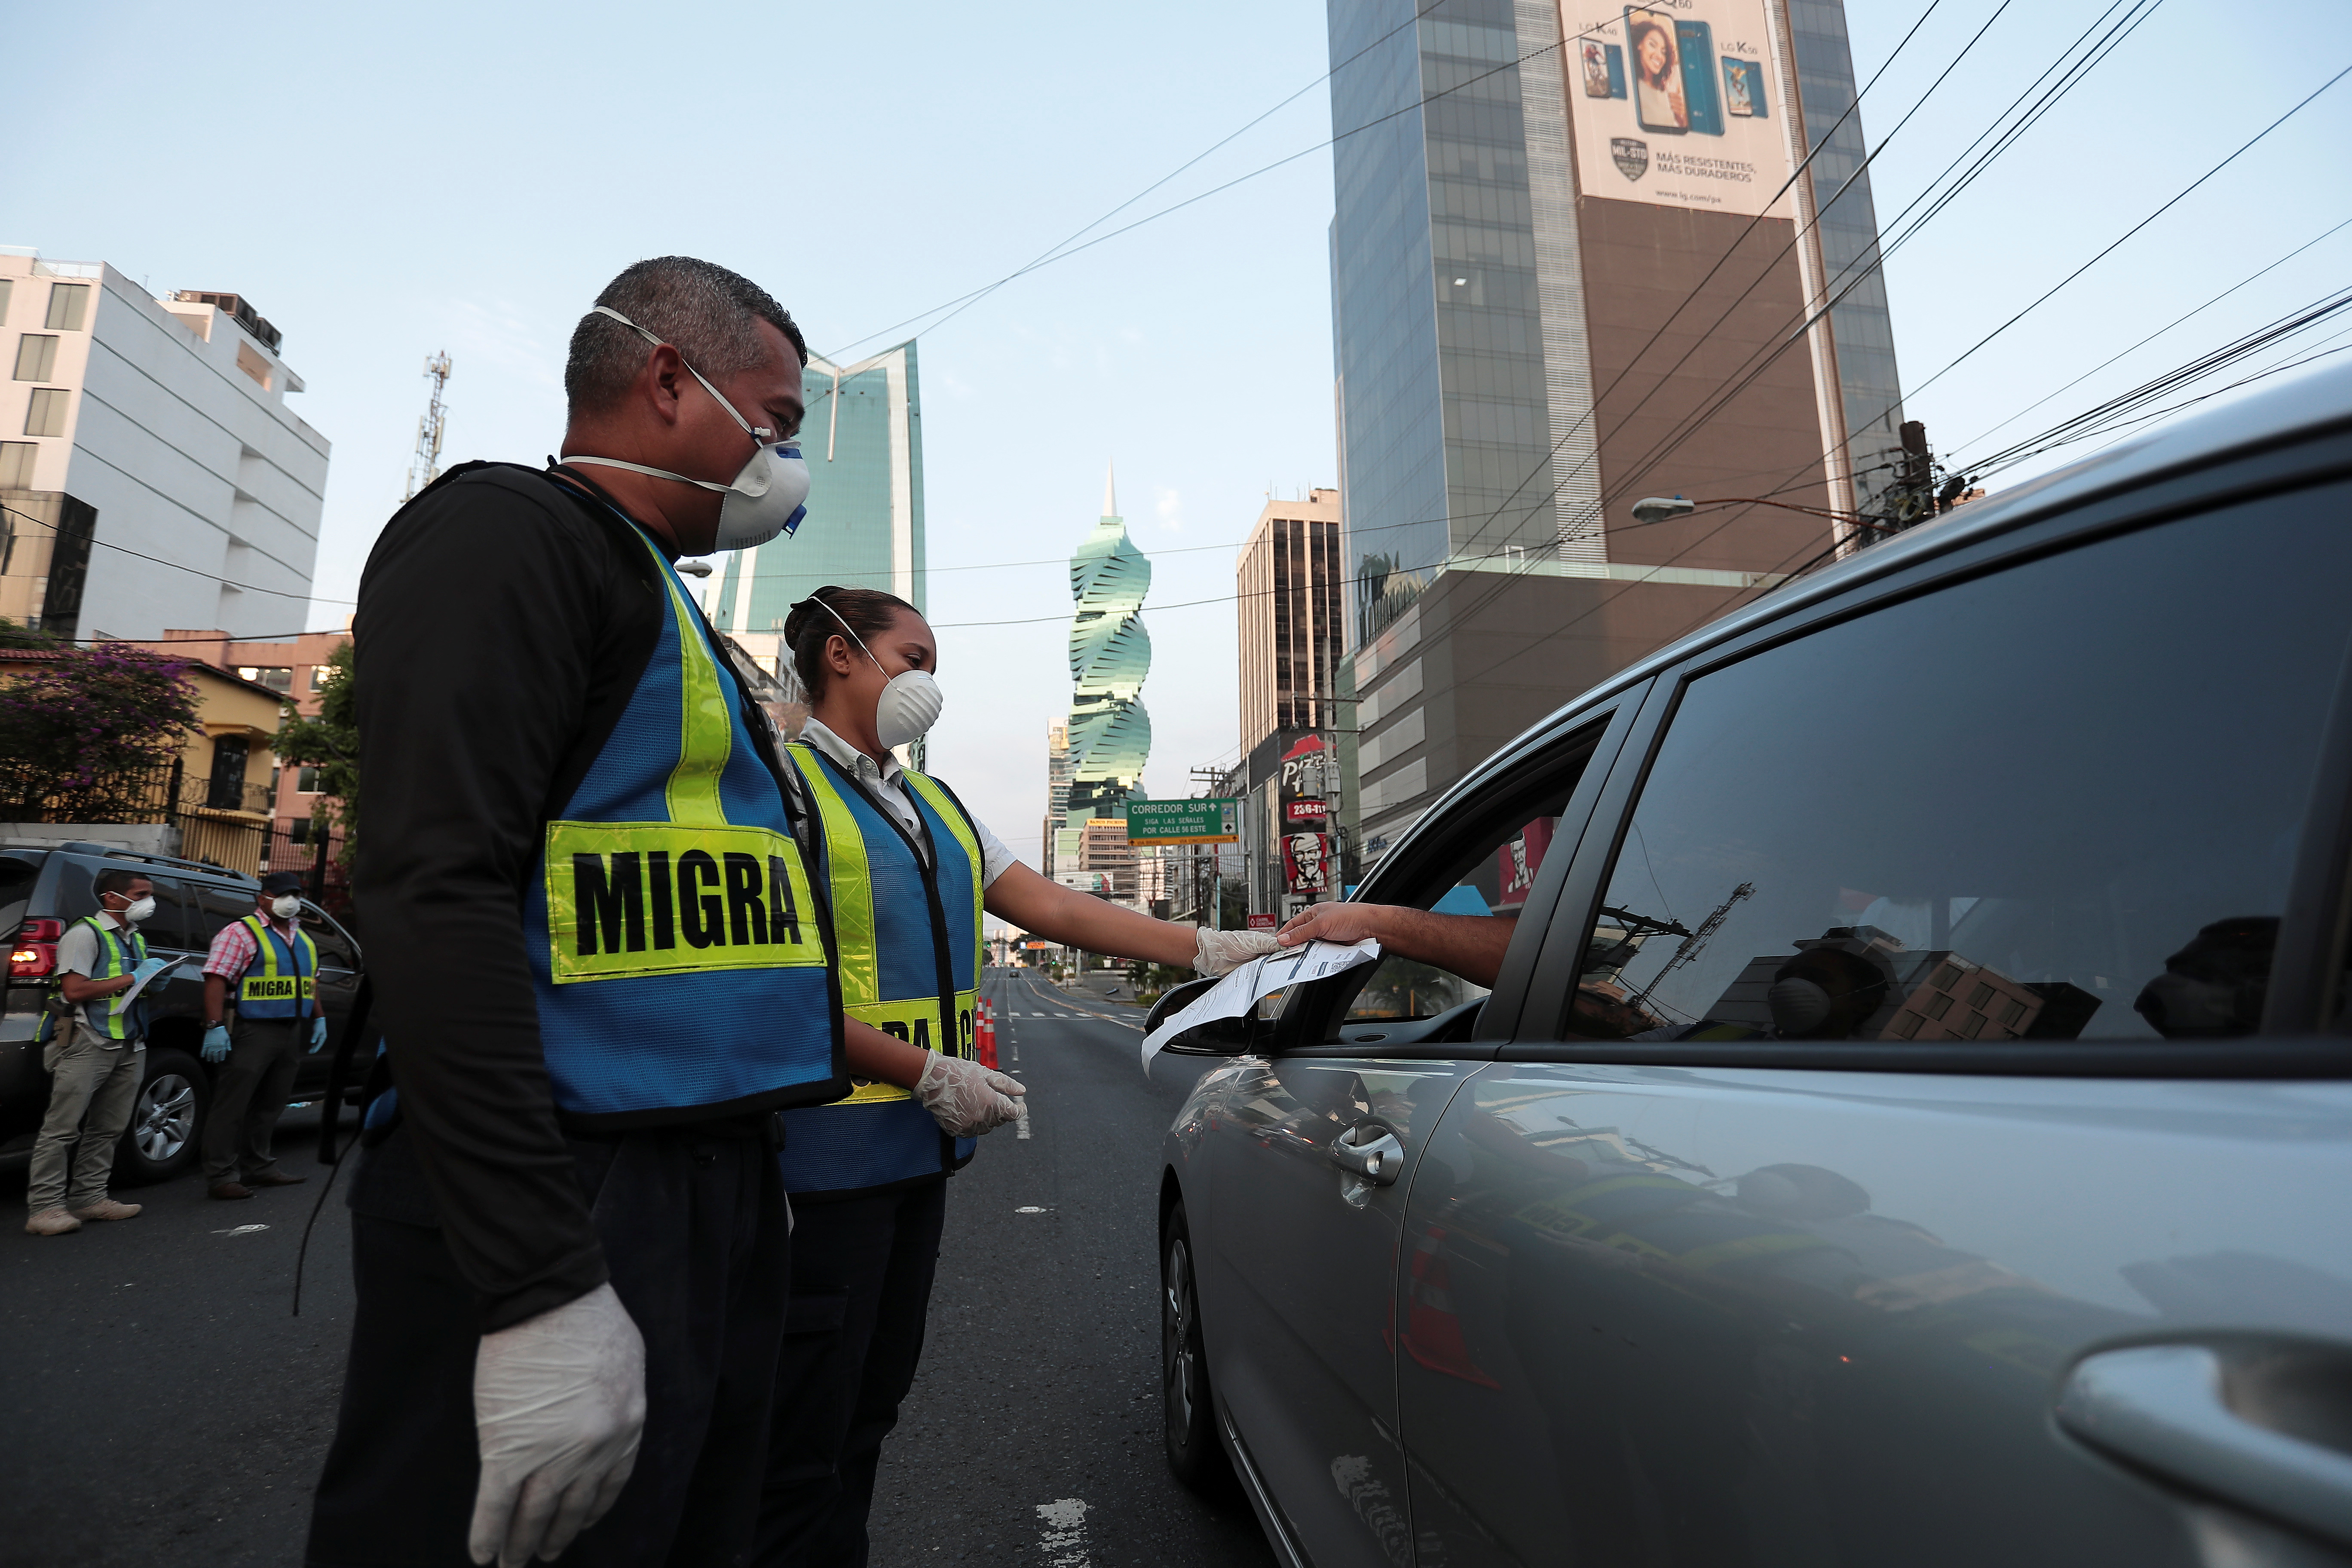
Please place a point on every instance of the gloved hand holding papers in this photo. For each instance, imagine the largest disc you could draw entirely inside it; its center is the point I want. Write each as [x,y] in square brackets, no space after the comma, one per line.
[1240,989]
[148,973]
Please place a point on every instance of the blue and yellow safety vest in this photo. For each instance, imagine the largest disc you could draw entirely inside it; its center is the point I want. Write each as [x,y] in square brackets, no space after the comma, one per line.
[116,957]
[277,982]
[908,939]
[677,951]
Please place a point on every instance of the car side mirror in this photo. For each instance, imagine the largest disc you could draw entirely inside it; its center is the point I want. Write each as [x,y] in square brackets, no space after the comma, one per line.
[1222,1036]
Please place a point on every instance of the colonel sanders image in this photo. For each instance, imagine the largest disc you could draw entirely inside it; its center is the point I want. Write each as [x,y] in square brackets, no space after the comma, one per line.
[1307,872]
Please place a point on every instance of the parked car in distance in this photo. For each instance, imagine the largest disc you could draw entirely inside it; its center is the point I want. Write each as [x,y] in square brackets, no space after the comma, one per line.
[45,888]
[1911,1120]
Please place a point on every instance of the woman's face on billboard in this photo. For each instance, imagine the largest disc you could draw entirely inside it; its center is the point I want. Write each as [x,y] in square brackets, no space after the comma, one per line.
[1655,54]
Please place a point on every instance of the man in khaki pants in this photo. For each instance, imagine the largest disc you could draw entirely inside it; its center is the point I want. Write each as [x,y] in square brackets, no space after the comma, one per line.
[97,1057]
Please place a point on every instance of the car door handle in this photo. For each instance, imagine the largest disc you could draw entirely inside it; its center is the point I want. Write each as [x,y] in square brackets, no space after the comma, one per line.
[1370,1151]
[2167,1409]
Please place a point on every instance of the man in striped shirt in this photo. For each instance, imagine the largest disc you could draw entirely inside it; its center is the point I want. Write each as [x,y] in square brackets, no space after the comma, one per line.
[267,1042]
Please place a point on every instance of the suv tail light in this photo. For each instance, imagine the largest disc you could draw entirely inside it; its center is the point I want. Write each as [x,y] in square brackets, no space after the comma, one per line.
[35,953]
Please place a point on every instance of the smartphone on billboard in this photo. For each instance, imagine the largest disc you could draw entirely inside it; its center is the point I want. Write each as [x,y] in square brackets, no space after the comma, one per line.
[1743,89]
[1696,46]
[1594,54]
[1660,100]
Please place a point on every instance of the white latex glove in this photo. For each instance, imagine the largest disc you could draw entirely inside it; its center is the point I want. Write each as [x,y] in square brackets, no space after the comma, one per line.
[559,1404]
[1222,952]
[966,1098]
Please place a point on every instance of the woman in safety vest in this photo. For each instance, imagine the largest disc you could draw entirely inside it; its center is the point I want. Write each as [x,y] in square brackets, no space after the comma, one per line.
[910,872]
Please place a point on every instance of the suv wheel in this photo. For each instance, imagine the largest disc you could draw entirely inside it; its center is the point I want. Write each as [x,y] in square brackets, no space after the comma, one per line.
[1194,1455]
[161,1141]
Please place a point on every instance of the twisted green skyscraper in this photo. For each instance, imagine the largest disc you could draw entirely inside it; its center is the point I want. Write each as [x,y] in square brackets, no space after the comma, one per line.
[1110,653]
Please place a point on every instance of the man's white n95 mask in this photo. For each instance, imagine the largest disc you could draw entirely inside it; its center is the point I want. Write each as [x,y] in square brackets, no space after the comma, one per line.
[768,498]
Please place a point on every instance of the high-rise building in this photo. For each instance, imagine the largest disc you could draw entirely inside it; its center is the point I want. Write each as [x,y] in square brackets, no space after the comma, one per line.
[1110,653]
[1060,839]
[1290,597]
[1290,606]
[1573,267]
[150,469]
[863,441]
[1104,852]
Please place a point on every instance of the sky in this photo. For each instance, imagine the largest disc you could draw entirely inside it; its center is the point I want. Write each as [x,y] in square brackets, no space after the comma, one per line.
[387,182]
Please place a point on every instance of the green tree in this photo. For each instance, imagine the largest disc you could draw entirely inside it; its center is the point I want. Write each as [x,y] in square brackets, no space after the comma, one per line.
[330,743]
[83,735]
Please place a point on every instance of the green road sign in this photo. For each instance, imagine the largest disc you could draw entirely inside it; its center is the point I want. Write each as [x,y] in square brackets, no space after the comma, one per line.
[1183,821]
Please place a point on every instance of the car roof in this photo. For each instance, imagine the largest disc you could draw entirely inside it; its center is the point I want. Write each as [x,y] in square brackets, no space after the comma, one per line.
[2298,409]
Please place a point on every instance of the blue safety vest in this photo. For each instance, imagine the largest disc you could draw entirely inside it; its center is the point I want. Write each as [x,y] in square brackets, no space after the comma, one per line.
[119,953]
[278,980]
[910,954]
[678,953]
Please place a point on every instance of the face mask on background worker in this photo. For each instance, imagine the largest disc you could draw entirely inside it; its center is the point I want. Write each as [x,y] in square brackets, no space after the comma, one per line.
[910,701]
[141,910]
[286,906]
[765,499]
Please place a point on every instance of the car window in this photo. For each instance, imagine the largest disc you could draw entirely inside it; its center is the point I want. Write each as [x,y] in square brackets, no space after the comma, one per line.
[1499,847]
[213,907]
[16,879]
[2060,802]
[76,898]
[168,926]
[334,952]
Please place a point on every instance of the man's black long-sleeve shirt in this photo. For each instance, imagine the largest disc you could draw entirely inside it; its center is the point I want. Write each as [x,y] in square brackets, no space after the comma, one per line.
[503,622]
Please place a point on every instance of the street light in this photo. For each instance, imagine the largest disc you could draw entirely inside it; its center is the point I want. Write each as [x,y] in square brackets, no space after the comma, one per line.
[1659,508]
[695,568]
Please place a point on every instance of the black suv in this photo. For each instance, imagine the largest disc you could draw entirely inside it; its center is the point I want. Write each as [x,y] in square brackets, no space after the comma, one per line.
[44,888]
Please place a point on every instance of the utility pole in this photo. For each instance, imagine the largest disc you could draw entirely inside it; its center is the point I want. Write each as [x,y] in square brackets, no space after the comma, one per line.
[1693,942]
[425,466]
[1922,486]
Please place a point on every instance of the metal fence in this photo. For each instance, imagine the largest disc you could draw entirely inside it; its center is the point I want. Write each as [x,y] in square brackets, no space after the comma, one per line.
[224,823]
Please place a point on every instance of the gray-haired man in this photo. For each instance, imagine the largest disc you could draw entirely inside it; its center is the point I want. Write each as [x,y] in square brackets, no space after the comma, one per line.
[571,1238]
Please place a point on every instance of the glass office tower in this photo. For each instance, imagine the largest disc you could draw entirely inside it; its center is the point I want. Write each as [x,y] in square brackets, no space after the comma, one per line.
[1110,655]
[863,439]
[1570,268]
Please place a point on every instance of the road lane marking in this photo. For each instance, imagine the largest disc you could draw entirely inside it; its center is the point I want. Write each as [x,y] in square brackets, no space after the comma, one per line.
[1064,1537]
[241,1231]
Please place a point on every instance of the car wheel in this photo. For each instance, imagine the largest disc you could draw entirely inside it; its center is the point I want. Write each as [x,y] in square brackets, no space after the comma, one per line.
[161,1141]
[1194,1452]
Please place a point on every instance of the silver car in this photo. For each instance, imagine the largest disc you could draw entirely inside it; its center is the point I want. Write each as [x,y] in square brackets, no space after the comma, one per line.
[1910,1122]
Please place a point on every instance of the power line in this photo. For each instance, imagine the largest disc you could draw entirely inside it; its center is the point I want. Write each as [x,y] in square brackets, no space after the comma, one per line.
[1049,253]
[2135,228]
[1673,440]
[1064,255]
[1668,443]
[2177,320]
[178,566]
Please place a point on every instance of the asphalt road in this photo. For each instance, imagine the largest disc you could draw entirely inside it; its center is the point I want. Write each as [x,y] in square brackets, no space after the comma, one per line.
[160,1407]
[159,1404]
[1034,1432]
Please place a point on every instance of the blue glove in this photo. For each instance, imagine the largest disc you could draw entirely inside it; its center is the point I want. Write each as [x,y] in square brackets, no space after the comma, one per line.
[149,968]
[318,1035]
[215,1043]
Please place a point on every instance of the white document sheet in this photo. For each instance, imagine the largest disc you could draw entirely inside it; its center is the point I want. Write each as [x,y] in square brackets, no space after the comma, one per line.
[1242,990]
[128,997]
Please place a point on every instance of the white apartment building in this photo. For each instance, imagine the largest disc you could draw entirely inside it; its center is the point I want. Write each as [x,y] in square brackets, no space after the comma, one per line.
[152,474]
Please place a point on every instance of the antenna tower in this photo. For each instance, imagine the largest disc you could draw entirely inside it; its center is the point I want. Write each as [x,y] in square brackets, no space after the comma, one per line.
[425,466]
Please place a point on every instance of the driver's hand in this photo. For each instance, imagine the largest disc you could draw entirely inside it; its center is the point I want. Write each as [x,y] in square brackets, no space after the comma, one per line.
[1332,923]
